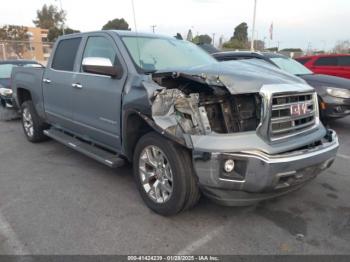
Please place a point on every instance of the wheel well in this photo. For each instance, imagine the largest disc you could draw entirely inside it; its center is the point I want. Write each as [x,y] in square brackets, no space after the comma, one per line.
[23,95]
[135,128]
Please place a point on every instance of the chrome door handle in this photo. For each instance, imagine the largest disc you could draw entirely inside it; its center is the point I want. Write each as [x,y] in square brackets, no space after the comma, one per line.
[45,80]
[77,85]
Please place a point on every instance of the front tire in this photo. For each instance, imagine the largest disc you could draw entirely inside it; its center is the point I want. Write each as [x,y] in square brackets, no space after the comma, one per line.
[164,175]
[33,126]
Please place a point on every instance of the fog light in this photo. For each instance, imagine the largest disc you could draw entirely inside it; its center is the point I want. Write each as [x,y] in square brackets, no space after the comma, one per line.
[229,165]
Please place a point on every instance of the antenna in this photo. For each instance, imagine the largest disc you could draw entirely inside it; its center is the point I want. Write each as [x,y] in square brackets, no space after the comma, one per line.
[137,38]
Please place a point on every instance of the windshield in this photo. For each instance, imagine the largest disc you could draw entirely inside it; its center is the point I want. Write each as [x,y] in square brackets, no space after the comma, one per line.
[291,66]
[153,54]
[5,70]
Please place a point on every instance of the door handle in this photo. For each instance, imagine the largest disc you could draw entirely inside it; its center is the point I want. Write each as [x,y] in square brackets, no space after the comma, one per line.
[77,85]
[47,81]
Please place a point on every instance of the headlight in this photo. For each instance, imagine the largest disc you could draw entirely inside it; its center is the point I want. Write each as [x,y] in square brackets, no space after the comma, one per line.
[5,92]
[338,92]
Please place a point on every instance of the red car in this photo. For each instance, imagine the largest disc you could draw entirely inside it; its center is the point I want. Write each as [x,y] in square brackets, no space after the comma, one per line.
[335,65]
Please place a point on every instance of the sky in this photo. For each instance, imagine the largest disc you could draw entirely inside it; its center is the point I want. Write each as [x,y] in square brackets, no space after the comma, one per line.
[297,23]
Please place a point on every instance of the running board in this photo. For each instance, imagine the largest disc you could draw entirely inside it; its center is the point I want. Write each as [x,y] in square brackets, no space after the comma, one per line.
[102,156]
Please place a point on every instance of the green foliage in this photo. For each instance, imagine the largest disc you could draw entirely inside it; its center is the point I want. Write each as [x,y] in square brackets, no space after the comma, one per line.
[202,39]
[241,33]
[291,50]
[234,44]
[15,33]
[55,32]
[116,24]
[49,17]
[272,49]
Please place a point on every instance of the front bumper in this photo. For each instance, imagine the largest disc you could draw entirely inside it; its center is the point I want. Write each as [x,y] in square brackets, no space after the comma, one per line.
[335,107]
[258,176]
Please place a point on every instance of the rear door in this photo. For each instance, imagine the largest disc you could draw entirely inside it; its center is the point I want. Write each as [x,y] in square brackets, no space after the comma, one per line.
[344,63]
[327,65]
[57,83]
[97,98]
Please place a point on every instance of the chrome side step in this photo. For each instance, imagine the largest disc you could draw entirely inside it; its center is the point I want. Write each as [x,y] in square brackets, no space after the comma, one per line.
[102,156]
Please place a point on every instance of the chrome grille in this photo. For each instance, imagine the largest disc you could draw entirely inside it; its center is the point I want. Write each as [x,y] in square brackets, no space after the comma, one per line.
[292,114]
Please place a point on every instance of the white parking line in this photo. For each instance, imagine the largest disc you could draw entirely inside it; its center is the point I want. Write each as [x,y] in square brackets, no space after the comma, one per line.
[11,241]
[343,156]
[200,242]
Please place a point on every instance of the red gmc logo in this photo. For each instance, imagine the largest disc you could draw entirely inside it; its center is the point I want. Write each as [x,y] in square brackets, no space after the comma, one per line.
[298,109]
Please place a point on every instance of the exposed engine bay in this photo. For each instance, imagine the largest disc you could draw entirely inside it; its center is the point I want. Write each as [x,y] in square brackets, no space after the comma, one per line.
[191,105]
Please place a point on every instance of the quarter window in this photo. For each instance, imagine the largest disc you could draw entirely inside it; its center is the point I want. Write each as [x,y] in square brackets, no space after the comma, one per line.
[65,54]
[344,60]
[326,61]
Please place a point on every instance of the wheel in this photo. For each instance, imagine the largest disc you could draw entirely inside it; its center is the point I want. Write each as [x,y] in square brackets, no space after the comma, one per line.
[164,175]
[33,126]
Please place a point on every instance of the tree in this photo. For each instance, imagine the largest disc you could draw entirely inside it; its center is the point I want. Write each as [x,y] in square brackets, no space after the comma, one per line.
[234,44]
[189,36]
[55,32]
[202,39]
[16,34]
[342,47]
[116,24]
[241,33]
[49,17]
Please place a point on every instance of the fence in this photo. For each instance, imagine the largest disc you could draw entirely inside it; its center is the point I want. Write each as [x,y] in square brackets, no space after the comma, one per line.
[39,51]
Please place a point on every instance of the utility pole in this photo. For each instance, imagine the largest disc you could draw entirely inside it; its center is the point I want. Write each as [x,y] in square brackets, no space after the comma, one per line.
[153,28]
[62,13]
[253,28]
[213,41]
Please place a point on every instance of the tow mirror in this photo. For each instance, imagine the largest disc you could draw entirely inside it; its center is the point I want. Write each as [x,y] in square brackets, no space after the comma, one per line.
[101,66]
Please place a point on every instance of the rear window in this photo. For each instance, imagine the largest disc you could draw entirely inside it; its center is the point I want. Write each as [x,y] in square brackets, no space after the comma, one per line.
[303,61]
[65,54]
[344,60]
[327,61]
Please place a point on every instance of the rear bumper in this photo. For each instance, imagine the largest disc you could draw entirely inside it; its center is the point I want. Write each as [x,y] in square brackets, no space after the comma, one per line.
[258,176]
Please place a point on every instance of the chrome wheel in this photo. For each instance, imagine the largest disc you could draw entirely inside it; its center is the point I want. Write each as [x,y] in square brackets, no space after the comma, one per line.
[155,174]
[27,122]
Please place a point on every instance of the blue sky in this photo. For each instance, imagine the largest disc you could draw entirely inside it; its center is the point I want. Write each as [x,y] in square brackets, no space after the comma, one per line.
[297,23]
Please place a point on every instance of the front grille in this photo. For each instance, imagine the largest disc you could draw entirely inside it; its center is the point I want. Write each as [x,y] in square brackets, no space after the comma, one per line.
[292,115]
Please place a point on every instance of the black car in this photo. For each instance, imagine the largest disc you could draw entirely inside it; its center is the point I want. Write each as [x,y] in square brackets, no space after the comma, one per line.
[7,107]
[333,92]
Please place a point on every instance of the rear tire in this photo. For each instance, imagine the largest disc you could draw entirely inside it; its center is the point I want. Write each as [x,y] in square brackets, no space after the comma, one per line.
[33,126]
[164,175]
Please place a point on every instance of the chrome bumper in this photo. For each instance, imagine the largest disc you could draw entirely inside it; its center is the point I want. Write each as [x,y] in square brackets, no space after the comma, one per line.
[257,175]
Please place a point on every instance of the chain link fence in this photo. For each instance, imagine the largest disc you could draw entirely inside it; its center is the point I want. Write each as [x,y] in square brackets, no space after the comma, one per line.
[39,51]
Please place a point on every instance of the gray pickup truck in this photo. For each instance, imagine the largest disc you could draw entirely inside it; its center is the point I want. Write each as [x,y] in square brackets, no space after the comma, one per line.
[236,132]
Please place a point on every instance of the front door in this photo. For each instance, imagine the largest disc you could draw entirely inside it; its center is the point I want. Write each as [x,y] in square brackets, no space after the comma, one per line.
[97,98]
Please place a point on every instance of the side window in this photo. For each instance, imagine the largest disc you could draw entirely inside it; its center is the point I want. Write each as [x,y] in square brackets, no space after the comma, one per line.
[99,46]
[344,60]
[303,60]
[326,61]
[65,54]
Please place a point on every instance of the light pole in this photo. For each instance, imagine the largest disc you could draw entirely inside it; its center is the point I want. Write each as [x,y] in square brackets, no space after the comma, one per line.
[62,13]
[253,28]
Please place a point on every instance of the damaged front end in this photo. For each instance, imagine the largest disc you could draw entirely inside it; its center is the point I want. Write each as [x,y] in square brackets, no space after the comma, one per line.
[189,105]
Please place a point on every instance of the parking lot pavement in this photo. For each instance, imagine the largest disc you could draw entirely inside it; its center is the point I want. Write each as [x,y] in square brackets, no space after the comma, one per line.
[56,201]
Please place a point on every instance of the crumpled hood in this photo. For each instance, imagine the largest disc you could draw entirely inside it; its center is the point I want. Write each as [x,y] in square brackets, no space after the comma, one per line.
[239,76]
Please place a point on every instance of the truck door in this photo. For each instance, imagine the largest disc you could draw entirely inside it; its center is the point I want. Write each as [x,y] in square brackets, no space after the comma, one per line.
[57,83]
[97,98]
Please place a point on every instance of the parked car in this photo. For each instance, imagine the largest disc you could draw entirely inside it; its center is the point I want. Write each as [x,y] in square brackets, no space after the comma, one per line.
[333,92]
[8,110]
[334,65]
[236,132]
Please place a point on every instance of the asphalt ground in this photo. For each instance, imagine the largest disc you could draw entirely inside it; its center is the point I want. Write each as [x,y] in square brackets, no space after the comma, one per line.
[54,200]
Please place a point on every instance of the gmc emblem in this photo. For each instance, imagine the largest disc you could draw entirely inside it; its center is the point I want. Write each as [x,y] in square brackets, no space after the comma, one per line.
[298,109]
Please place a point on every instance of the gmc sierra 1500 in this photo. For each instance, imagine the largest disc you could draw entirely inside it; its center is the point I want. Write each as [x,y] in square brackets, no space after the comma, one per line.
[236,132]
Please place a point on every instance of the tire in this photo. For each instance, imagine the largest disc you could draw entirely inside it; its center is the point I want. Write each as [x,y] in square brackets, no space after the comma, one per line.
[33,126]
[183,183]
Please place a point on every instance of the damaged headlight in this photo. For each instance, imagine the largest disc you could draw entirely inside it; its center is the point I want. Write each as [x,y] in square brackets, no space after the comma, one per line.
[338,92]
[5,92]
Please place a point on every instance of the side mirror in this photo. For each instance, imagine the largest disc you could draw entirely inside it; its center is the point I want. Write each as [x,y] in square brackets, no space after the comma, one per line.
[101,66]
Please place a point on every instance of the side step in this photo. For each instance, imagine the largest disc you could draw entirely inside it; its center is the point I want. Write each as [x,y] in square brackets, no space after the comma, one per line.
[96,153]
